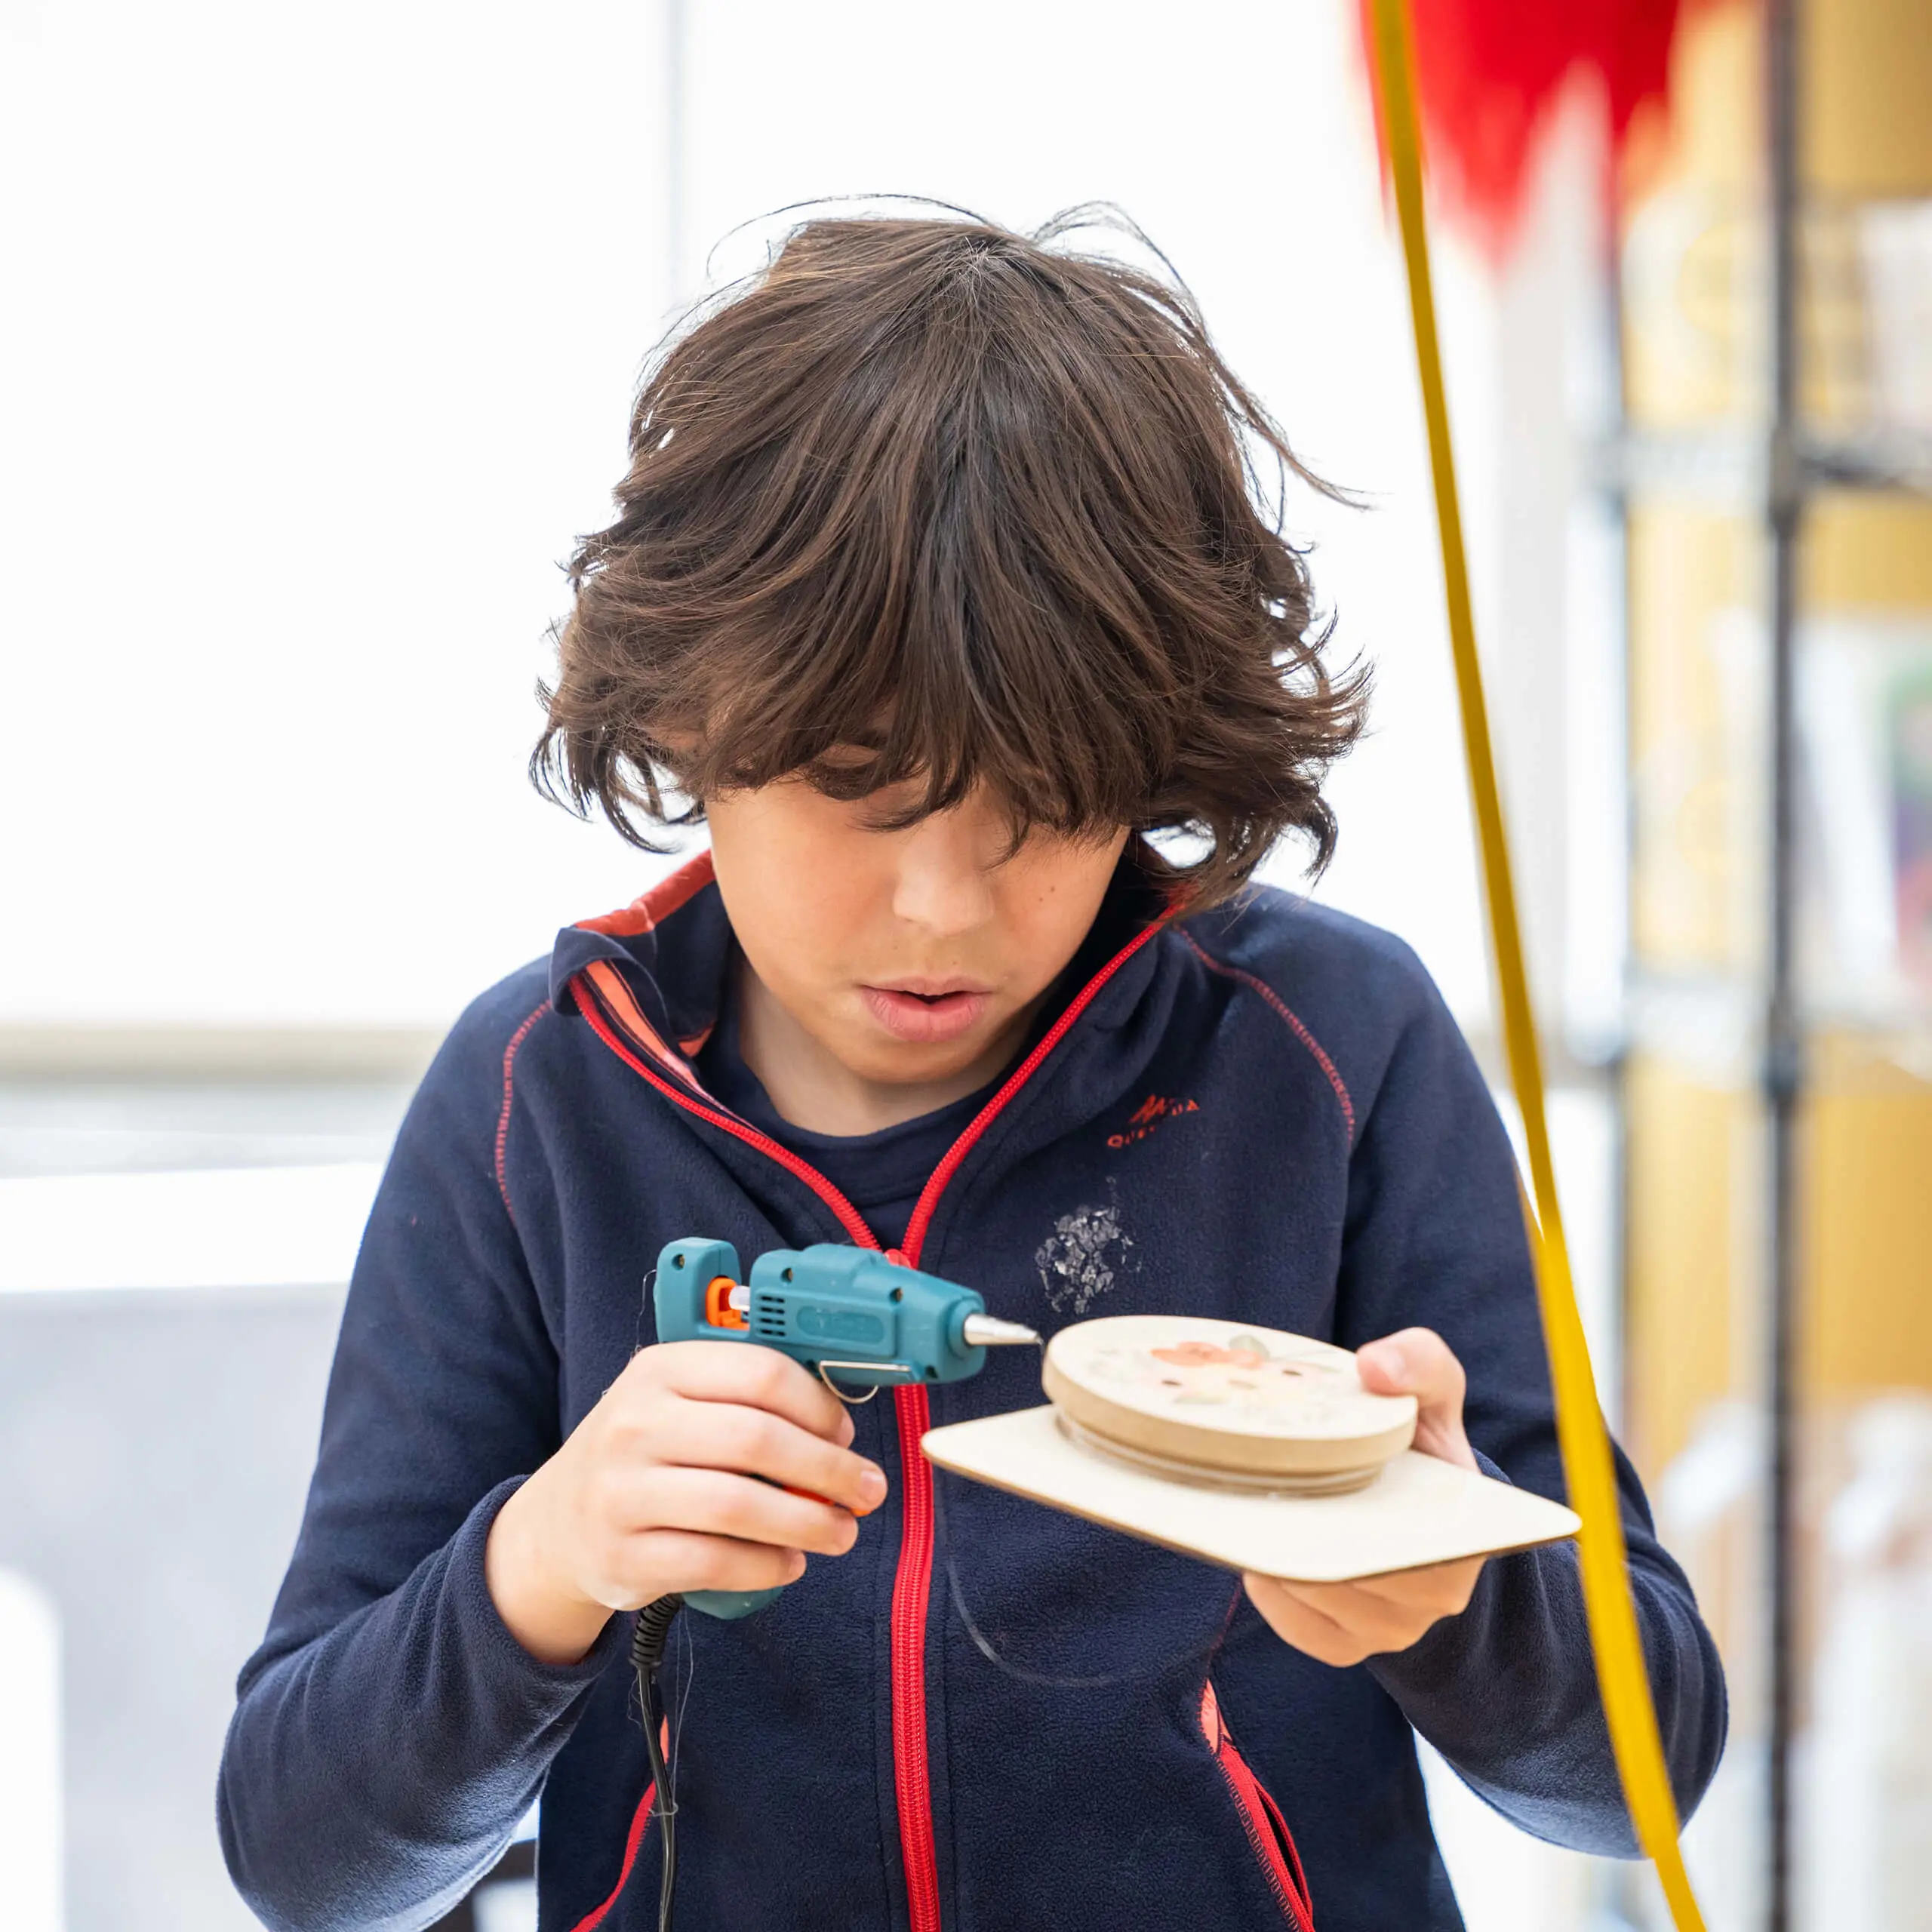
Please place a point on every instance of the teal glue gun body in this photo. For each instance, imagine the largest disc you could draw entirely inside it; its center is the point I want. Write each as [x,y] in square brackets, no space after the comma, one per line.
[856,1318]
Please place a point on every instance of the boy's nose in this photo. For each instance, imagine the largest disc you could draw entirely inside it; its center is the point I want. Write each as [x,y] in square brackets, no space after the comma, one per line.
[942,882]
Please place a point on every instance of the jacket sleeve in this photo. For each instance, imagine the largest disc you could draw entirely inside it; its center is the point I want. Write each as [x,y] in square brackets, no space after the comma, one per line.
[390,1731]
[1506,1691]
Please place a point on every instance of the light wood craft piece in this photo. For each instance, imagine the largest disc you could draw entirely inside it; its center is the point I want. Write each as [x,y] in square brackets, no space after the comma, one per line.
[1304,1477]
[1254,1403]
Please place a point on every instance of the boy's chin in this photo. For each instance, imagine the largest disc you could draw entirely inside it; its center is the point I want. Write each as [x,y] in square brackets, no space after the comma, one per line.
[892,1063]
[889,1059]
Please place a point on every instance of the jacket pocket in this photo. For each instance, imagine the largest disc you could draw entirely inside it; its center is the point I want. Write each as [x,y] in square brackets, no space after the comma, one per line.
[1261,1817]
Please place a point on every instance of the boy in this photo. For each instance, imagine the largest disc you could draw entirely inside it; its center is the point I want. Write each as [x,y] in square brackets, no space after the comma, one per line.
[938,581]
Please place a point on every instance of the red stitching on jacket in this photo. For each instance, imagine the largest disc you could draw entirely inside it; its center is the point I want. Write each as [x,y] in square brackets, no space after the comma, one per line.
[509,1093]
[1295,1026]
[597,1914]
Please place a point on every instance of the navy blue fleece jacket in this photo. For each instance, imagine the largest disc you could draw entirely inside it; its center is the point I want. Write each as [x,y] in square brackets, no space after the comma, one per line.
[1263,1113]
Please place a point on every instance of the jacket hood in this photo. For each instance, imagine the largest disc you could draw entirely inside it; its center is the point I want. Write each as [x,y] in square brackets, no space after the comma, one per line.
[673,947]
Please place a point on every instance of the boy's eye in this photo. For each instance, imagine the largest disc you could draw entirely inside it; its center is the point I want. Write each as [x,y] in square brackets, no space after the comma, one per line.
[842,773]
[883,810]
[846,757]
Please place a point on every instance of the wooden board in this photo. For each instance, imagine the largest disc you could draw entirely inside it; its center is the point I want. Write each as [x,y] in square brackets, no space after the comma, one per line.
[1256,1402]
[1418,1510]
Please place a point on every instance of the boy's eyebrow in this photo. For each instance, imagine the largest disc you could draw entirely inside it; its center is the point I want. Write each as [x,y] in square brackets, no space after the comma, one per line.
[855,751]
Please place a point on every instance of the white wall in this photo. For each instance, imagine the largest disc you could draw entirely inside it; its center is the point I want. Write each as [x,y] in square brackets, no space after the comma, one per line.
[30,1807]
[321,325]
[334,318]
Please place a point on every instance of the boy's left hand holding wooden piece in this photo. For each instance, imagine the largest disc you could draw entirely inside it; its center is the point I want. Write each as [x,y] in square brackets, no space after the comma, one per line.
[1342,1623]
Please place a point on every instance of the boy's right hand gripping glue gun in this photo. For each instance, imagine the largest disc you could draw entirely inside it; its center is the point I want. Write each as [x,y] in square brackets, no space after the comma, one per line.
[848,1312]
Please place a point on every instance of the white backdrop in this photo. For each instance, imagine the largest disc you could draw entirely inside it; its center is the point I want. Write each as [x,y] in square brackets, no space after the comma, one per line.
[323,326]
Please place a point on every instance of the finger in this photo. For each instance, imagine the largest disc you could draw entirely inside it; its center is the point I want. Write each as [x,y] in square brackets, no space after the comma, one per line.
[1342,1624]
[1444,1587]
[1303,1625]
[659,1561]
[718,1503]
[1379,1623]
[1373,1623]
[1419,1362]
[1416,1361]
[727,1435]
[758,1377]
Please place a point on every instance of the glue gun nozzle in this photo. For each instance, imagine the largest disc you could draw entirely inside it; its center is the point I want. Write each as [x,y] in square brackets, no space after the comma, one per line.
[989,1331]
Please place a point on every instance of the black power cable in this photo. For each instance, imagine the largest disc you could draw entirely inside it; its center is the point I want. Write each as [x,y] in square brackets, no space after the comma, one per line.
[647,1640]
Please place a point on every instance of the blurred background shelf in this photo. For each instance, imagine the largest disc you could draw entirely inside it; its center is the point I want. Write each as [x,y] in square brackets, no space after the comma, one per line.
[1731,467]
[1774,473]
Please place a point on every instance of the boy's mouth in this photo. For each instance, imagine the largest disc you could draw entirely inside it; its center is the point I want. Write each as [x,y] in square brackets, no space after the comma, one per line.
[914,1012]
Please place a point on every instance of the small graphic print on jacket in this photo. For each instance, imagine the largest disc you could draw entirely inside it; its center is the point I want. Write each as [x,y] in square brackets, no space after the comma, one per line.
[1148,1115]
[1077,1261]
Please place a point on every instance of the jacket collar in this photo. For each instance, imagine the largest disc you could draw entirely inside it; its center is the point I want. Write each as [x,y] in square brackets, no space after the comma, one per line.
[673,945]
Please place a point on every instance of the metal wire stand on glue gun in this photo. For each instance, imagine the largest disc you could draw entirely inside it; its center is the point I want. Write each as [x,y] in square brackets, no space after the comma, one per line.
[847,1312]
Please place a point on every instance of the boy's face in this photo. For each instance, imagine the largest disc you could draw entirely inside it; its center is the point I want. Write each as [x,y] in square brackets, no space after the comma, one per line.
[911,957]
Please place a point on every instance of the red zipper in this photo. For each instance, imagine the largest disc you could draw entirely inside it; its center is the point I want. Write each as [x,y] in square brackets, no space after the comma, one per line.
[603,1021]
[633,1841]
[606,998]
[949,1162]
[912,1585]
[1273,1843]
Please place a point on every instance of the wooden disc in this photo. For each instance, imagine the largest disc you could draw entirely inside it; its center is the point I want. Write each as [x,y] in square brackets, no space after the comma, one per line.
[1223,1396]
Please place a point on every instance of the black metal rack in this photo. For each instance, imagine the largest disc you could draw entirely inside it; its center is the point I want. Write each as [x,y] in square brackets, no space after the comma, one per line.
[1781,470]
[1785,483]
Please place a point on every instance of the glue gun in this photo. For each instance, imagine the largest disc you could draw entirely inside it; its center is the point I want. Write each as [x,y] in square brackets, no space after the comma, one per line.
[839,1310]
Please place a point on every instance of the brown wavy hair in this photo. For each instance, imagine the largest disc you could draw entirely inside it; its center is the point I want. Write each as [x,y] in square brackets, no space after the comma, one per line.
[928,501]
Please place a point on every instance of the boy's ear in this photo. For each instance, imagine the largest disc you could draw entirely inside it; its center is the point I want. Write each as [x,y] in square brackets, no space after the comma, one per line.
[680,747]
[674,753]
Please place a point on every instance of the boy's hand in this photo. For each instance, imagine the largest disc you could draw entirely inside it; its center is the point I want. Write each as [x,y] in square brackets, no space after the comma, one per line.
[655,1490]
[1341,1623]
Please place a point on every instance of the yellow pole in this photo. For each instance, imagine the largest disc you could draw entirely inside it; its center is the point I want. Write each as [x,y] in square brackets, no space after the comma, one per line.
[1585,1442]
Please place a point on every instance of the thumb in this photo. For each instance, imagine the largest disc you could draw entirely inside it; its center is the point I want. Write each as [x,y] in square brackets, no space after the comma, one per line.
[1419,1362]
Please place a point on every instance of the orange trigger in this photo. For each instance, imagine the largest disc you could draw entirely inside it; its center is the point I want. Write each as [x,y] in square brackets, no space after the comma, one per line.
[718,1310]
